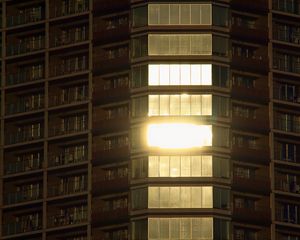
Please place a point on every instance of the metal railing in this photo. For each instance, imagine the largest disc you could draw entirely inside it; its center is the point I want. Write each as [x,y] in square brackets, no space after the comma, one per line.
[21,227]
[280,92]
[23,166]
[69,67]
[34,133]
[73,126]
[26,46]
[26,17]
[69,218]
[70,187]
[61,159]
[286,64]
[289,34]
[24,105]
[287,125]
[62,99]
[69,9]
[23,196]
[72,36]
[288,6]
[24,76]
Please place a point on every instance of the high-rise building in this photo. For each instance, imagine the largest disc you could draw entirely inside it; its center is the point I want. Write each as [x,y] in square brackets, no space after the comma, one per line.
[150,120]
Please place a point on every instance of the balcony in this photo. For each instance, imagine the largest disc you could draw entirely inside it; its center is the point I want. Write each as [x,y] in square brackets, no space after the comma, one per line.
[64,159]
[102,95]
[260,155]
[261,215]
[108,217]
[287,213]
[286,124]
[63,99]
[255,32]
[26,105]
[256,6]
[286,93]
[286,6]
[25,16]
[256,184]
[26,46]
[61,220]
[259,92]
[286,186]
[108,186]
[251,64]
[108,156]
[25,76]
[26,226]
[259,124]
[105,64]
[291,156]
[287,34]
[25,135]
[72,128]
[107,6]
[104,33]
[28,195]
[288,63]
[23,166]
[71,36]
[103,126]
[71,66]
[69,8]
[71,187]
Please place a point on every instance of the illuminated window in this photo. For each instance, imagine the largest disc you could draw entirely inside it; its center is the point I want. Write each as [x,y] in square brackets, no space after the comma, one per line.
[179,74]
[178,135]
[177,105]
[179,44]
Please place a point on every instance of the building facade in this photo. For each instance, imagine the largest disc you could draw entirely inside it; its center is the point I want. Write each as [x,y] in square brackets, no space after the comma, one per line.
[137,120]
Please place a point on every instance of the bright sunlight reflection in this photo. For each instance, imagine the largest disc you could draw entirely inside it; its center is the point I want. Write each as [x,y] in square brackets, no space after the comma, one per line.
[178,135]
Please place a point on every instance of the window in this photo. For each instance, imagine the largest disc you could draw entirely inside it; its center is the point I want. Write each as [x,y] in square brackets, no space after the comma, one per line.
[172,105]
[220,16]
[179,44]
[288,151]
[139,17]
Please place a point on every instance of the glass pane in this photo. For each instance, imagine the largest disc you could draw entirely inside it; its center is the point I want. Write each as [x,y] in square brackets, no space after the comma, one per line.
[164,74]
[175,105]
[174,166]
[207,197]
[164,14]
[153,14]
[164,228]
[175,197]
[185,228]
[195,74]
[164,197]
[185,166]
[196,229]
[195,105]
[206,74]
[153,198]
[196,197]
[153,105]
[185,105]
[175,228]
[175,74]
[196,166]
[185,13]
[207,228]
[207,166]
[153,75]
[185,44]
[164,166]
[153,228]
[164,105]
[206,13]
[174,14]
[195,13]
[153,166]
[185,197]
[206,104]
[185,74]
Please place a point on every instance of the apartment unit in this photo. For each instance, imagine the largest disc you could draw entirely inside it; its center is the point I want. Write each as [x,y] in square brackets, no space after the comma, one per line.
[148,120]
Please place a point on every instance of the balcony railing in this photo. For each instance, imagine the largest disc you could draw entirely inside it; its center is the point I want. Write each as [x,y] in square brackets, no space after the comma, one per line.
[286,65]
[24,106]
[23,196]
[72,127]
[31,134]
[73,36]
[62,159]
[60,220]
[288,6]
[258,215]
[62,99]
[69,9]
[24,76]
[73,66]
[21,227]
[285,186]
[281,93]
[287,125]
[284,215]
[26,46]
[110,185]
[280,154]
[110,216]
[260,184]
[288,34]
[70,187]
[23,166]
[27,17]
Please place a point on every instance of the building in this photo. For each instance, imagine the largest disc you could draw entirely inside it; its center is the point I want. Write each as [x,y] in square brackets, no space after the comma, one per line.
[150,120]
